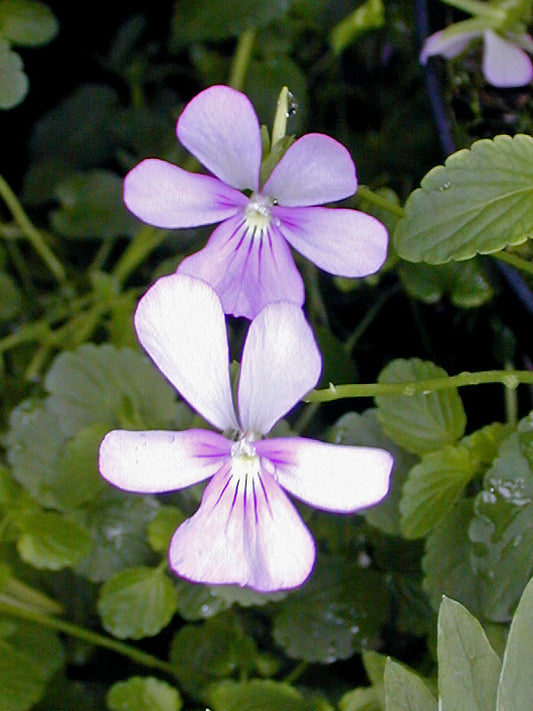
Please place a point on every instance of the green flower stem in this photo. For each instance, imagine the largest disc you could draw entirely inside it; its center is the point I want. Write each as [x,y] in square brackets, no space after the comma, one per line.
[144,242]
[99,640]
[515,261]
[509,378]
[370,196]
[31,232]
[241,59]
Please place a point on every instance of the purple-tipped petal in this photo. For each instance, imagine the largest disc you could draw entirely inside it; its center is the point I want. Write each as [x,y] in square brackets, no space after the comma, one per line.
[220,127]
[247,532]
[164,195]
[280,363]
[344,242]
[157,461]
[504,64]
[180,323]
[246,272]
[446,44]
[329,476]
[316,169]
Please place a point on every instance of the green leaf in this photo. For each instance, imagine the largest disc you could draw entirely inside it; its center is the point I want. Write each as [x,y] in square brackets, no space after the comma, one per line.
[10,294]
[137,602]
[339,611]
[91,205]
[466,283]
[258,694]
[515,689]
[468,666]
[210,651]
[368,16]
[163,526]
[27,22]
[29,656]
[117,523]
[420,423]
[479,202]
[48,540]
[102,384]
[432,488]
[78,480]
[200,20]
[447,562]
[143,694]
[502,530]
[366,431]
[405,690]
[362,699]
[14,83]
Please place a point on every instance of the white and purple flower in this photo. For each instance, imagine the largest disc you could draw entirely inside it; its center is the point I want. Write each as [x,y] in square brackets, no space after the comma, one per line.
[246,530]
[247,259]
[505,62]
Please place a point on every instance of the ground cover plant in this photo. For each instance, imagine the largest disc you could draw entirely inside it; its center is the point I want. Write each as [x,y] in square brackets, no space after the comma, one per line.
[266,356]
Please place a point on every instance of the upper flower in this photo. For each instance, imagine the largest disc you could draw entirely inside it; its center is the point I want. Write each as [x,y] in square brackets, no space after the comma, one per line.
[246,530]
[247,259]
[501,25]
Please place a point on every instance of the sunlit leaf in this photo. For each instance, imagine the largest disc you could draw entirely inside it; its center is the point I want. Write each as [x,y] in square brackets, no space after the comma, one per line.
[479,202]
[468,666]
[143,694]
[13,82]
[48,540]
[405,690]
[262,694]
[27,22]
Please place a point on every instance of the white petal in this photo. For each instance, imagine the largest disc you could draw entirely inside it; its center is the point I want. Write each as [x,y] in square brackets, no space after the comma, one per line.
[180,323]
[219,126]
[446,44]
[505,64]
[281,362]
[245,532]
[157,461]
[329,476]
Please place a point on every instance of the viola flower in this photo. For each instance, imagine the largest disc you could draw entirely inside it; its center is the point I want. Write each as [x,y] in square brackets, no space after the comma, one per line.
[505,63]
[246,530]
[247,259]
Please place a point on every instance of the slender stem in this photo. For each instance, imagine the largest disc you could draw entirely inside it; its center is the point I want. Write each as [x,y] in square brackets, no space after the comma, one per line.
[297,672]
[515,261]
[241,59]
[509,378]
[31,232]
[99,640]
[144,242]
[370,196]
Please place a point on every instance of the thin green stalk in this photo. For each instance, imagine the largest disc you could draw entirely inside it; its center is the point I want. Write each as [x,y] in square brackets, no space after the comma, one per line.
[144,242]
[479,8]
[370,196]
[515,261]
[510,378]
[241,59]
[99,640]
[31,232]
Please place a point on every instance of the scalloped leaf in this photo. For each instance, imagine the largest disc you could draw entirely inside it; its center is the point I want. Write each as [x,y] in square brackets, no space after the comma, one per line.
[405,690]
[422,422]
[143,694]
[103,384]
[262,694]
[137,602]
[27,22]
[14,83]
[479,202]
[432,488]
[50,541]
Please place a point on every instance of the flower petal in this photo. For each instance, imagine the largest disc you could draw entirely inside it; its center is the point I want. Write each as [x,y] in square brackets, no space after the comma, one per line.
[281,362]
[164,195]
[180,323]
[447,44]
[328,476]
[347,243]
[220,127]
[314,170]
[505,64]
[246,531]
[246,272]
[157,461]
